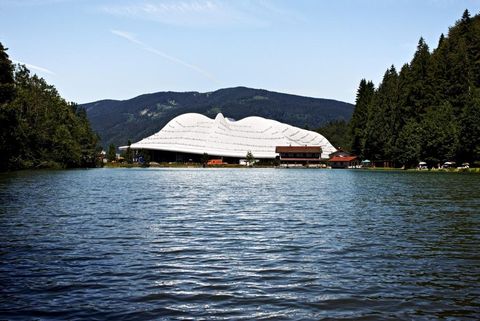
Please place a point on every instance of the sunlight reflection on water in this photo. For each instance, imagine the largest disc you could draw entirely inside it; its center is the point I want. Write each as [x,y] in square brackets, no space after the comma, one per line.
[235,244]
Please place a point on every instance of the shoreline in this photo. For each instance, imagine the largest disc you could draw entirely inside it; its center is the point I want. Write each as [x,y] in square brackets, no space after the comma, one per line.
[383,169]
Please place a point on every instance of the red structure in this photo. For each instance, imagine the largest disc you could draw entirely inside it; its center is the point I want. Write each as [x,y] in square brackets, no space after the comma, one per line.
[342,159]
[300,155]
[216,162]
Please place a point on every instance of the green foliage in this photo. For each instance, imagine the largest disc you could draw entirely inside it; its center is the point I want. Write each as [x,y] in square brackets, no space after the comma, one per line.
[129,153]
[430,110]
[111,153]
[338,134]
[250,159]
[38,128]
[410,138]
[439,135]
[7,84]
[144,154]
[204,159]
[360,116]
[469,147]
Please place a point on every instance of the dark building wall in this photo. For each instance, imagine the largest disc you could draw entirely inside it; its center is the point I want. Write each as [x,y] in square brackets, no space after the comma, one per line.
[161,156]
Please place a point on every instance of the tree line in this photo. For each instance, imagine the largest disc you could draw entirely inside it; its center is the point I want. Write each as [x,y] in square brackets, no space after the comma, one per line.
[428,111]
[38,128]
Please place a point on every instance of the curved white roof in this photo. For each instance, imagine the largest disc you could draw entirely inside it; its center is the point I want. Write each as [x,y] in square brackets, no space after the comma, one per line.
[198,134]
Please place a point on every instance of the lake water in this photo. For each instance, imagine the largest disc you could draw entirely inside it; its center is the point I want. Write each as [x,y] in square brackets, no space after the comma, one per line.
[239,244]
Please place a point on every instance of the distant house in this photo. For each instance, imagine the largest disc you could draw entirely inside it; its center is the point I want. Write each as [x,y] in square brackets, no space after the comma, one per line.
[343,159]
[299,155]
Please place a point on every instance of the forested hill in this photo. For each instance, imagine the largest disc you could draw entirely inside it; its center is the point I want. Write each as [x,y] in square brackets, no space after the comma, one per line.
[38,128]
[133,119]
[430,109]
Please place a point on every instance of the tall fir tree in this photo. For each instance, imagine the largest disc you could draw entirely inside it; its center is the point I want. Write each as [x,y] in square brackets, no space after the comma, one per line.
[363,101]
[111,153]
[469,137]
[383,119]
[419,91]
[8,115]
[7,83]
[439,137]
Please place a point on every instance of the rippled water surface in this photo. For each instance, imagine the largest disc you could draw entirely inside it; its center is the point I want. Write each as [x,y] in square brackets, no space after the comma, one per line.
[254,244]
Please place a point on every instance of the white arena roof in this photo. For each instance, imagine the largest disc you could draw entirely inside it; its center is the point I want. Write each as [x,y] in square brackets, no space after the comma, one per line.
[198,134]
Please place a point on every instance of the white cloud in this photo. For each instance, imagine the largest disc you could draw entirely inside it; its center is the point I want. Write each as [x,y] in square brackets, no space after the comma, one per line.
[180,13]
[131,37]
[37,68]
[127,35]
[204,13]
[32,3]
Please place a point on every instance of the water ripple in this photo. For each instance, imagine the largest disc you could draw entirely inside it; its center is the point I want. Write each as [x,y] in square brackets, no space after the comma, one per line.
[260,244]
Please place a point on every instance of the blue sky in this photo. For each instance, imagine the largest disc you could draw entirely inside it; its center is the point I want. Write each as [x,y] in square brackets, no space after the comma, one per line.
[118,49]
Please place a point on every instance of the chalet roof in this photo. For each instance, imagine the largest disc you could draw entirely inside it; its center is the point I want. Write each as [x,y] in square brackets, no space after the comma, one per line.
[298,149]
[339,152]
[342,159]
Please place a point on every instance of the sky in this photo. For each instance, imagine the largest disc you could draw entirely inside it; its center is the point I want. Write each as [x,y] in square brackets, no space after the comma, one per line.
[118,49]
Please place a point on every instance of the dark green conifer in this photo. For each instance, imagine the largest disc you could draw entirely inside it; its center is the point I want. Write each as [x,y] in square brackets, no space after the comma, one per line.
[111,153]
[129,153]
[440,132]
[359,119]
[469,137]
[419,90]
[7,84]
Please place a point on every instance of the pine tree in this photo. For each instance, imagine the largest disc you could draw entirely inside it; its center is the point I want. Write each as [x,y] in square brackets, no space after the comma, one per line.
[439,69]
[419,91]
[363,101]
[129,153]
[7,84]
[459,77]
[440,132]
[410,138]
[469,137]
[388,122]
[250,159]
[204,159]
[8,115]
[111,153]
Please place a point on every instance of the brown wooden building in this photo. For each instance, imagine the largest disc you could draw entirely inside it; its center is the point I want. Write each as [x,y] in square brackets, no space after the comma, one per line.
[299,155]
[342,159]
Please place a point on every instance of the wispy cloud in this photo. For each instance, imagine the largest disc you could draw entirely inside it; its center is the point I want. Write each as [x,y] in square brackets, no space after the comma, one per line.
[32,3]
[37,68]
[131,37]
[204,13]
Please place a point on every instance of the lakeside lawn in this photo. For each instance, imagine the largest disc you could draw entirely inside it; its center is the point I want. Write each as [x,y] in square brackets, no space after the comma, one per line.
[198,165]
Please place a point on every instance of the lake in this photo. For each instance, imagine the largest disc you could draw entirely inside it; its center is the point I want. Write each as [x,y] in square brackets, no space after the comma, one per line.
[239,244]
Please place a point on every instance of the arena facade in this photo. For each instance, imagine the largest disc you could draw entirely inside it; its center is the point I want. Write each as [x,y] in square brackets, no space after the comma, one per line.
[189,136]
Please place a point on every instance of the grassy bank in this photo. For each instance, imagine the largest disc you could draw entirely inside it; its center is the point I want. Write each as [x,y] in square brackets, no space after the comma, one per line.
[197,165]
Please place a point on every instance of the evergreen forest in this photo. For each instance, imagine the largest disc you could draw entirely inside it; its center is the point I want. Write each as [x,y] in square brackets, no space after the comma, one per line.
[38,128]
[429,110]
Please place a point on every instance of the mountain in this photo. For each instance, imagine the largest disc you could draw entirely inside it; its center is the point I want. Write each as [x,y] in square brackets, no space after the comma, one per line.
[119,121]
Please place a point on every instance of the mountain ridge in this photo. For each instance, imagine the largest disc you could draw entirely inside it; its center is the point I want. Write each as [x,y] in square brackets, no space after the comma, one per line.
[117,121]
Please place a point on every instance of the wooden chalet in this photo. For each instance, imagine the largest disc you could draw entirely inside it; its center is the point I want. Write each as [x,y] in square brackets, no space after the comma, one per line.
[342,159]
[299,155]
